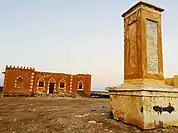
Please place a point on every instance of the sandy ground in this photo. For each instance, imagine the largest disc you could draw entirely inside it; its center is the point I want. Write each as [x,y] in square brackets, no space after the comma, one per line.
[62,115]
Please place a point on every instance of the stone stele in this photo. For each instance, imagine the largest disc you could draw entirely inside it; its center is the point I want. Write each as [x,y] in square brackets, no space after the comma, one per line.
[144,100]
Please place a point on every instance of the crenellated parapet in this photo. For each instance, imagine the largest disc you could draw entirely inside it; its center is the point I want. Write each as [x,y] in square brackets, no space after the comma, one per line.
[82,75]
[19,67]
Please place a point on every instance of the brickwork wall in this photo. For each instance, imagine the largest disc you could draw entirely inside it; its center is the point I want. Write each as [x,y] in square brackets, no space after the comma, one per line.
[30,80]
[85,80]
[48,78]
[12,76]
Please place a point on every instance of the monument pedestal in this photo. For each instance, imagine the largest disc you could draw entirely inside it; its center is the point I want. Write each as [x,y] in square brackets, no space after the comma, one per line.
[144,100]
[144,105]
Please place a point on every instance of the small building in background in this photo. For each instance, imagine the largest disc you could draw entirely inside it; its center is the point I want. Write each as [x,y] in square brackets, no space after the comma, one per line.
[1,88]
[172,81]
[27,81]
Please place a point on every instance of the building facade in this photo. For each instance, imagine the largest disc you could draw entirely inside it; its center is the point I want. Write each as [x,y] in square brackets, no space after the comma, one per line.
[27,81]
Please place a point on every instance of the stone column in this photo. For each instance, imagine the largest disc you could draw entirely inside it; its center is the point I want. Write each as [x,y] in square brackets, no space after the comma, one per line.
[144,99]
[143,44]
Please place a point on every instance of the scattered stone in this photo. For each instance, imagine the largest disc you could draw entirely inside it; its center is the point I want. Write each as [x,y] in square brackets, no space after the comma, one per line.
[69,120]
[100,124]
[91,122]
[33,109]
[92,109]
[81,116]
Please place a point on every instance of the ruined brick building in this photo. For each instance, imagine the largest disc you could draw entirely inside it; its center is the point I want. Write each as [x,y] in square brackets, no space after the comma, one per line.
[27,81]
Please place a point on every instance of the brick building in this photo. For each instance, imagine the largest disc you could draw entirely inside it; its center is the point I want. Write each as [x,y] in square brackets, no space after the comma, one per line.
[27,81]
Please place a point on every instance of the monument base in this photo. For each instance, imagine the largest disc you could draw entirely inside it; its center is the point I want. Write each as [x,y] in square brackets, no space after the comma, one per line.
[145,106]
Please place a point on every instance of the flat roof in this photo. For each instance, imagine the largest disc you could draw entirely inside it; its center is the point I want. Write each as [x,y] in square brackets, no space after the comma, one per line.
[145,4]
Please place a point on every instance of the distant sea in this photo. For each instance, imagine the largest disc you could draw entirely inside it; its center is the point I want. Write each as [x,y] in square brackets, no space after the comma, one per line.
[98,89]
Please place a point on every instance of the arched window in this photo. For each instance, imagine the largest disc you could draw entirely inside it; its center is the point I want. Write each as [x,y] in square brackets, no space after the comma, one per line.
[41,85]
[19,82]
[41,82]
[62,85]
[80,85]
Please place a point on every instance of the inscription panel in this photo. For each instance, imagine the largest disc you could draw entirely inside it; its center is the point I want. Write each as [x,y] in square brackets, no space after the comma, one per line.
[152,47]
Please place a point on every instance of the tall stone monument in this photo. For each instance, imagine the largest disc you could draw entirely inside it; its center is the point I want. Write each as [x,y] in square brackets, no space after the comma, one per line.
[144,99]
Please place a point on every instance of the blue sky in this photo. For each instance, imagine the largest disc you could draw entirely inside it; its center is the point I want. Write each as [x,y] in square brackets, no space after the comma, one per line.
[77,36]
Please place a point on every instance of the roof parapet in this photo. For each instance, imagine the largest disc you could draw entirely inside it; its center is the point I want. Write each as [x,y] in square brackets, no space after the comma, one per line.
[19,67]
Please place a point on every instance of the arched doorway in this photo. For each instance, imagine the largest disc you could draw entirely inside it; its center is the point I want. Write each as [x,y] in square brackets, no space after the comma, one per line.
[80,85]
[51,86]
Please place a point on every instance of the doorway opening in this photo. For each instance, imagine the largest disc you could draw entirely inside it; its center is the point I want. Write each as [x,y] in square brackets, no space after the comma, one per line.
[51,88]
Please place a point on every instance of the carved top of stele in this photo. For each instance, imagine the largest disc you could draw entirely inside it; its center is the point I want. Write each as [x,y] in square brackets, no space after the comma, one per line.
[143,5]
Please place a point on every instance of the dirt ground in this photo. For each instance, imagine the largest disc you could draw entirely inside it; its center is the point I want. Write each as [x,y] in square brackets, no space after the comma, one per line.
[62,115]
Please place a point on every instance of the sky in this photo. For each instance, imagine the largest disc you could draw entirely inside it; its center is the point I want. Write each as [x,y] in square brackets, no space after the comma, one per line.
[77,36]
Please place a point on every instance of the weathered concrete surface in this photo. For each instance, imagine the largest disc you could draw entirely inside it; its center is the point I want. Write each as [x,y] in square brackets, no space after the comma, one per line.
[144,99]
[137,44]
[145,107]
[172,81]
